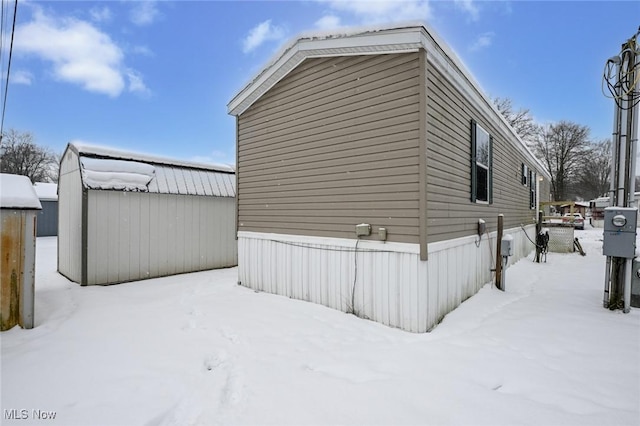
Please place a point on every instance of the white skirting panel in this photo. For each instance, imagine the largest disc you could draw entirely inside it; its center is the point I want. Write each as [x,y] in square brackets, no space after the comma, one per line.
[392,285]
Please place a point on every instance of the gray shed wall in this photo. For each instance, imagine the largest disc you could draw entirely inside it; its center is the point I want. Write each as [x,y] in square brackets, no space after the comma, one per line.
[134,235]
[70,218]
[48,219]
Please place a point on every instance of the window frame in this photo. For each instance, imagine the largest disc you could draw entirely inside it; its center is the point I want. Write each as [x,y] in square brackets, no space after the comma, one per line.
[475,164]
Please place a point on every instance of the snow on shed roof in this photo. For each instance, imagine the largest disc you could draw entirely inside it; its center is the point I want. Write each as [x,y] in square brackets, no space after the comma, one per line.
[46,191]
[16,192]
[109,169]
[384,39]
[90,150]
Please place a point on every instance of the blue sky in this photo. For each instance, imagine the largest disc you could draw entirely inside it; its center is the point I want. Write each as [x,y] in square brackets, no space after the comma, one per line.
[156,77]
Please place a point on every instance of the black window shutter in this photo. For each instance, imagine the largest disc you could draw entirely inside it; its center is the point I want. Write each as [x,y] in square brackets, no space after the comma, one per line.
[534,179]
[490,170]
[474,172]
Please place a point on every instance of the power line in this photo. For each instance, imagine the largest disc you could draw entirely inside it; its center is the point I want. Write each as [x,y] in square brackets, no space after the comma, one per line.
[6,87]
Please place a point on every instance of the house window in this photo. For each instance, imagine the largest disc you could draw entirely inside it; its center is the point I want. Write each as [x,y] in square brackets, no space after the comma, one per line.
[525,174]
[481,164]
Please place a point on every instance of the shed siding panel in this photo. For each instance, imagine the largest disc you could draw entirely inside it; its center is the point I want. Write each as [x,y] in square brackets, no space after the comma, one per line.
[47,225]
[145,236]
[125,230]
[450,212]
[340,134]
[70,218]
[140,235]
[134,237]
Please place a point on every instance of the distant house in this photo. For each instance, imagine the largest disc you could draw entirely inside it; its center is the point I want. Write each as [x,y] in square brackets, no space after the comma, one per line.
[369,162]
[578,207]
[597,206]
[126,216]
[48,216]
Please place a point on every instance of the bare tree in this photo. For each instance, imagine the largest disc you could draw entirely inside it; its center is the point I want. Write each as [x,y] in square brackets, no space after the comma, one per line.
[593,177]
[562,147]
[521,120]
[20,155]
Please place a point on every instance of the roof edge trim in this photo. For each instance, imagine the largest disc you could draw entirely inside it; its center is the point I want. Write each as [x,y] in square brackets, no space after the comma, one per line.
[372,41]
[82,149]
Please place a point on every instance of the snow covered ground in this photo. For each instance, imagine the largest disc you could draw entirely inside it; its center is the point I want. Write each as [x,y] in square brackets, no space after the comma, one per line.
[199,349]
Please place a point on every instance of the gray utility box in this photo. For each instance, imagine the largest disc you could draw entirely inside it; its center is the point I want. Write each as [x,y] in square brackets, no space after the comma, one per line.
[635,284]
[506,246]
[620,232]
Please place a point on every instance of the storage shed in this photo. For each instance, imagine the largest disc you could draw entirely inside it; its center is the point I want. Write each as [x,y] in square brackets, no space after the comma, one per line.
[19,207]
[126,216]
[48,216]
[368,163]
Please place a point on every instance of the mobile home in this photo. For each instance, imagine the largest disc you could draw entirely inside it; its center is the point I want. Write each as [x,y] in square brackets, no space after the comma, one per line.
[368,164]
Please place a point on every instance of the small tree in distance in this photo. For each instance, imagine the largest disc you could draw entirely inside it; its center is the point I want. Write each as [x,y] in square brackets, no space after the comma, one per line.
[20,155]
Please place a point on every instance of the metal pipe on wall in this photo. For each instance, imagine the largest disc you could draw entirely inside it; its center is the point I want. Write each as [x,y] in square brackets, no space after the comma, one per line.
[628,263]
[615,149]
[607,283]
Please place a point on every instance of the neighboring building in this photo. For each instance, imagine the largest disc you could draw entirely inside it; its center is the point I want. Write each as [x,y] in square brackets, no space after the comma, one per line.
[19,207]
[126,217]
[598,205]
[578,207]
[382,128]
[48,216]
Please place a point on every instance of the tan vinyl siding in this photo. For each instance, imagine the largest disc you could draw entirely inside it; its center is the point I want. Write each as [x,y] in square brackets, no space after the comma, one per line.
[332,145]
[450,213]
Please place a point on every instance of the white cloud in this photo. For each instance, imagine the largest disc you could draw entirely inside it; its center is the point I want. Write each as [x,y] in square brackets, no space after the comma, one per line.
[328,22]
[483,40]
[261,33]
[142,50]
[136,83]
[377,11]
[78,52]
[470,7]
[144,12]
[100,14]
[21,77]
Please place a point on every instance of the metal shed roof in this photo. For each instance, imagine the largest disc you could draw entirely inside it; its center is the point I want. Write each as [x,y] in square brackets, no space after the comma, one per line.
[109,169]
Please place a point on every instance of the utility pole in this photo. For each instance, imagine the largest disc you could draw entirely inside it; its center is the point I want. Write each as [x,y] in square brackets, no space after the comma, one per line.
[622,76]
